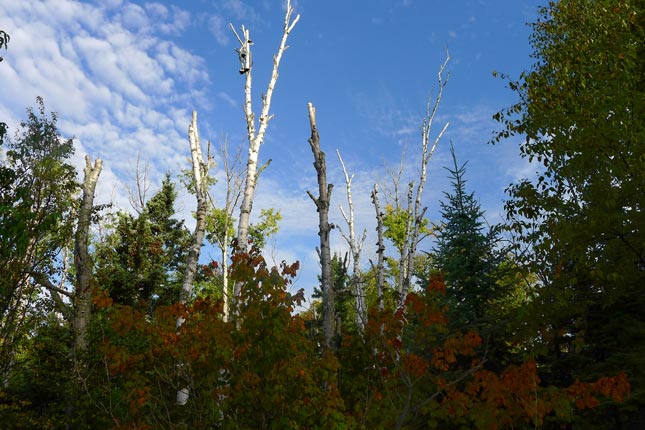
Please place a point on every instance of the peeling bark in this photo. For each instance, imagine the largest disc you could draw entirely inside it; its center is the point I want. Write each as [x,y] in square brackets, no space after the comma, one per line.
[200,172]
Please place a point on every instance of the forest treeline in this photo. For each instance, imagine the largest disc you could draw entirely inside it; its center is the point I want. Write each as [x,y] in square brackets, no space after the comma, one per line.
[109,319]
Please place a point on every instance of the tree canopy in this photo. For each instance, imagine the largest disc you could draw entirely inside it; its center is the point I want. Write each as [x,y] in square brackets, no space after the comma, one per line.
[581,112]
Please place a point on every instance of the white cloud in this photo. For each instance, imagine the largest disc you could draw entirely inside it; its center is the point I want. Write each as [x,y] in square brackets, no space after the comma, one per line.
[228,99]
[105,71]
[219,28]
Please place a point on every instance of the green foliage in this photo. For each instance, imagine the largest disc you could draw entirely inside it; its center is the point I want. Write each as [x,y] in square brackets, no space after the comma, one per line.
[142,258]
[466,254]
[581,110]
[395,223]
[37,187]
[35,395]
[266,227]
[218,226]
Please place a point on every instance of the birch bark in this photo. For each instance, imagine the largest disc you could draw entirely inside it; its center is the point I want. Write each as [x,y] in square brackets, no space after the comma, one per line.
[82,261]
[416,213]
[355,247]
[200,172]
[256,137]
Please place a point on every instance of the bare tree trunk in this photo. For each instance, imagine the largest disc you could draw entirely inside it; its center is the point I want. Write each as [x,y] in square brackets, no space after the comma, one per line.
[403,279]
[200,173]
[233,192]
[355,247]
[416,213]
[324,252]
[380,248]
[256,139]
[82,261]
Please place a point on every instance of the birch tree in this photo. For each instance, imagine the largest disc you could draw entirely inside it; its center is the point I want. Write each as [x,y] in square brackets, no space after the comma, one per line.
[200,173]
[256,133]
[82,259]
[220,221]
[355,247]
[413,218]
[324,252]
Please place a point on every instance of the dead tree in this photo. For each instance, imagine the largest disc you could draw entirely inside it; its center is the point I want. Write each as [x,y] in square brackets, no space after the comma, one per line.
[233,174]
[82,259]
[380,249]
[200,173]
[415,213]
[256,136]
[324,252]
[355,247]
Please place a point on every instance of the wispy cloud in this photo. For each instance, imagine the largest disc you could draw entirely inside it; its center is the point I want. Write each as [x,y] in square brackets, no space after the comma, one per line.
[219,28]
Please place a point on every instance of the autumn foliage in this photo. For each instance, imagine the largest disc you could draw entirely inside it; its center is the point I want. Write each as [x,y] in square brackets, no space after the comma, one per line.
[264,370]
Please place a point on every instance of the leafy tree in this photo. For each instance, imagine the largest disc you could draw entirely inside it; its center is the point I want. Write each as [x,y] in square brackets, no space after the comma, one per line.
[581,110]
[261,371]
[37,186]
[266,227]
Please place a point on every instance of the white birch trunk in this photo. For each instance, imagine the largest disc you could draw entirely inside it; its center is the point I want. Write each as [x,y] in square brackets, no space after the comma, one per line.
[82,261]
[417,213]
[256,138]
[200,172]
[355,247]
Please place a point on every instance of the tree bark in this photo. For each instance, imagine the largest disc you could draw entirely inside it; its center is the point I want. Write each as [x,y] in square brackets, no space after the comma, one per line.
[416,213]
[380,282]
[355,247]
[200,172]
[324,252]
[82,259]
[256,139]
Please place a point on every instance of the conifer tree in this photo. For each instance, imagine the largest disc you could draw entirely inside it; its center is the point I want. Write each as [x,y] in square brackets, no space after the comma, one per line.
[143,258]
[465,252]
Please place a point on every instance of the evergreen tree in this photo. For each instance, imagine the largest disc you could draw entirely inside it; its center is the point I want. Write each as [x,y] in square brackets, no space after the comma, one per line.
[142,259]
[465,253]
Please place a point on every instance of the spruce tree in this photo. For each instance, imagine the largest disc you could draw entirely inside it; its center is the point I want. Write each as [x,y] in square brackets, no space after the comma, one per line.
[142,259]
[465,253]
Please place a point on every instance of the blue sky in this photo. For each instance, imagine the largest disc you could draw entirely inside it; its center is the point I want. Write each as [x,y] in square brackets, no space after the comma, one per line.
[125,75]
